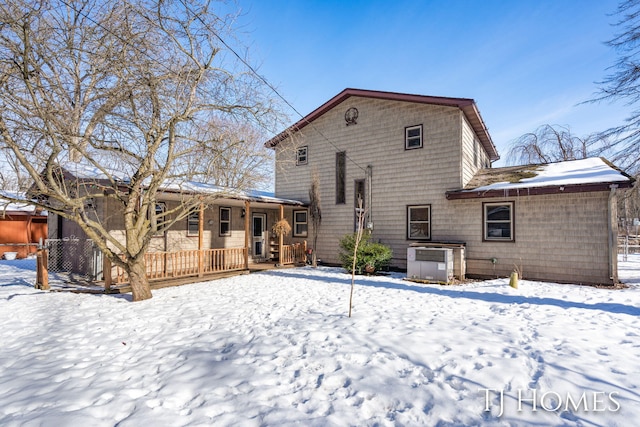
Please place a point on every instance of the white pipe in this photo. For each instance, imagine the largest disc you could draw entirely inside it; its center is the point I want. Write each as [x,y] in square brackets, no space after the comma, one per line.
[613,241]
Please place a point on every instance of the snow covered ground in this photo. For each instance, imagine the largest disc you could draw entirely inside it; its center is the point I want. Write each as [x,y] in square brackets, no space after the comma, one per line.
[277,349]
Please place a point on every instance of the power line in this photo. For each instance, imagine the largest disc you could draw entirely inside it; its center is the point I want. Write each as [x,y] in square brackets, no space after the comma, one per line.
[246,64]
[269,85]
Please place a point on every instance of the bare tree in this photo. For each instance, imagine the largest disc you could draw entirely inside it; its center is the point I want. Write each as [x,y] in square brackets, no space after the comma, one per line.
[141,93]
[624,84]
[315,212]
[358,237]
[554,143]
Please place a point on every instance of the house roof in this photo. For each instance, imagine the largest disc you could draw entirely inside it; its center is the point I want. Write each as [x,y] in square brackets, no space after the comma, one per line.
[468,107]
[229,193]
[83,170]
[8,207]
[592,174]
[93,174]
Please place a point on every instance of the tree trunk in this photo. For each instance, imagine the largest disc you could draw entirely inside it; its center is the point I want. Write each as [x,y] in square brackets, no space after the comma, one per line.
[314,259]
[138,279]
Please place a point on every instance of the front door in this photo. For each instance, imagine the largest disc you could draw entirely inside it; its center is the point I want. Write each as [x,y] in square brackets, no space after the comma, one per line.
[259,236]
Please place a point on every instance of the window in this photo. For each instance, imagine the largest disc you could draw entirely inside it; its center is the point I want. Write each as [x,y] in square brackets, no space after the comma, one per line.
[300,225]
[413,137]
[341,177]
[225,221]
[157,218]
[193,224]
[419,222]
[301,156]
[498,221]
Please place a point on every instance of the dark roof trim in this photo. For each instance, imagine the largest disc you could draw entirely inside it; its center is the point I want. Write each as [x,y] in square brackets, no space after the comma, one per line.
[537,191]
[230,196]
[468,107]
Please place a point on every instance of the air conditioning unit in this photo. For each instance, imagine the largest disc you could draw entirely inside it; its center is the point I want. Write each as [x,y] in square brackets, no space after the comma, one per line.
[433,264]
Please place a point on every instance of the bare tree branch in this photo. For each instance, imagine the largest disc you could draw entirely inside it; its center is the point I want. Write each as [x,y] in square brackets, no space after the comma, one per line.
[554,143]
[137,94]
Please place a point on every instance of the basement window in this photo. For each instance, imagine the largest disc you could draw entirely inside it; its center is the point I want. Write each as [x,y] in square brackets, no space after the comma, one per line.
[498,221]
[413,137]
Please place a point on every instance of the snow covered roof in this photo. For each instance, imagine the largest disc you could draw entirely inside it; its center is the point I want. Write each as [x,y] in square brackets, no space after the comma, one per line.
[88,172]
[592,174]
[10,207]
[204,188]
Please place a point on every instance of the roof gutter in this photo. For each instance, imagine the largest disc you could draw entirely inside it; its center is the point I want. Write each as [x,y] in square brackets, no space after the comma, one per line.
[536,191]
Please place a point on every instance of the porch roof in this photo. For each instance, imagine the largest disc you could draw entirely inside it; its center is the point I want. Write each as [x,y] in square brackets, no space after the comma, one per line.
[585,175]
[93,174]
[191,187]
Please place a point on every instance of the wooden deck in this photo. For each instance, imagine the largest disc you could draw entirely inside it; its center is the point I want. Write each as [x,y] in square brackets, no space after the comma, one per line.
[164,269]
[78,286]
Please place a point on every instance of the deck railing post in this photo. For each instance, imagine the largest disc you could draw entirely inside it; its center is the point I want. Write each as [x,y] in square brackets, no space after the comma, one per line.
[42,273]
[106,272]
[304,252]
[200,241]
[281,237]
[247,213]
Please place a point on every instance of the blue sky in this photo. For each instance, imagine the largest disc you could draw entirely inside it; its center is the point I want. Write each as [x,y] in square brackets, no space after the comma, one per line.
[525,62]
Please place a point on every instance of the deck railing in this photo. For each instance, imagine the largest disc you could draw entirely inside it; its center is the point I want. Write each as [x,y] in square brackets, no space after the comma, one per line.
[171,265]
[295,253]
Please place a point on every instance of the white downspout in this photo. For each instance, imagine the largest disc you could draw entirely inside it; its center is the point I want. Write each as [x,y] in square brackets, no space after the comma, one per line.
[613,241]
[369,203]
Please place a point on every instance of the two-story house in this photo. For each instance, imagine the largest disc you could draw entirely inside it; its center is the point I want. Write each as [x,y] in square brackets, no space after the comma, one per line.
[422,167]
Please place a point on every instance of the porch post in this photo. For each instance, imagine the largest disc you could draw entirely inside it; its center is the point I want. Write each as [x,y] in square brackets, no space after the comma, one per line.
[247,214]
[200,240]
[281,238]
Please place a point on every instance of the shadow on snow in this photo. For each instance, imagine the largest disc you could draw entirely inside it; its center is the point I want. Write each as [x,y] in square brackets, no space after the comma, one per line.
[441,290]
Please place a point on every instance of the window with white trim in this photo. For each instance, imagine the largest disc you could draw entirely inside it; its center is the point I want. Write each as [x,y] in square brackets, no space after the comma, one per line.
[419,222]
[225,221]
[300,223]
[498,221]
[193,223]
[413,137]
[302,155]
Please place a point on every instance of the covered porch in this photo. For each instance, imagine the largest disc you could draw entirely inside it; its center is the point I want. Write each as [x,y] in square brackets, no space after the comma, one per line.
[232,235]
